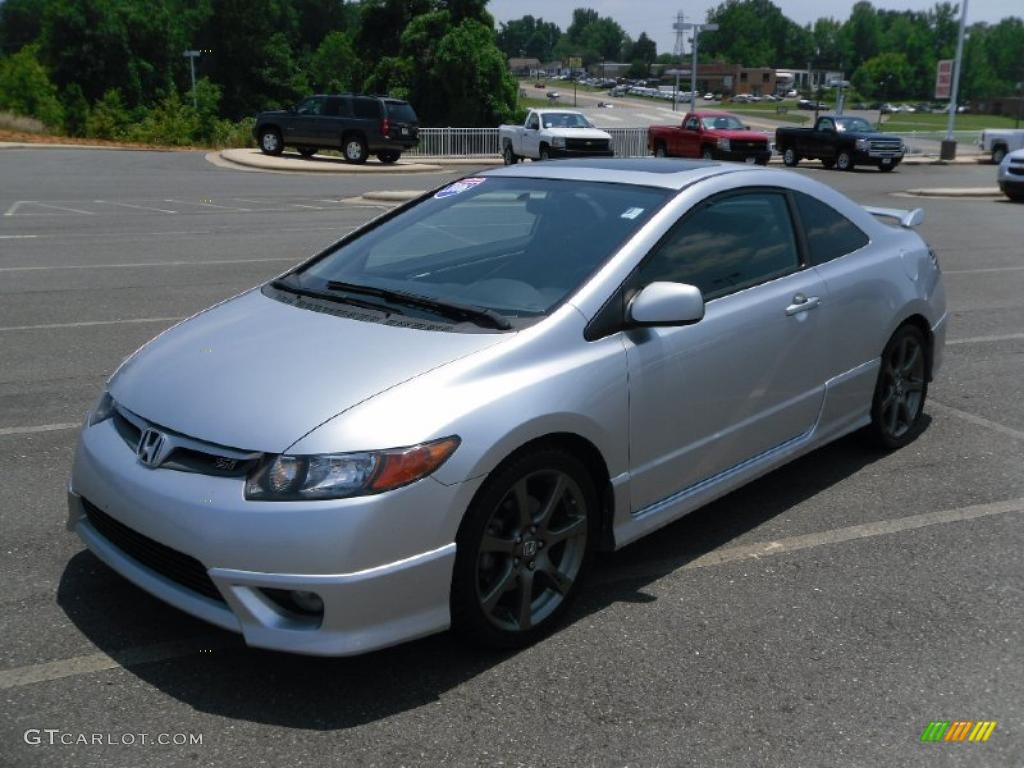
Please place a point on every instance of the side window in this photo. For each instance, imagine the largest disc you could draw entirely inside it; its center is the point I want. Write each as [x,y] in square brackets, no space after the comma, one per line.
[829,233]
[312,106]
[366,108]
[691,124]
[826,125]
[727,245]
[335,107]
[533,122]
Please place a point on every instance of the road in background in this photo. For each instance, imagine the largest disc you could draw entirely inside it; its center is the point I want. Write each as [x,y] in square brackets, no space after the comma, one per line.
[821,616]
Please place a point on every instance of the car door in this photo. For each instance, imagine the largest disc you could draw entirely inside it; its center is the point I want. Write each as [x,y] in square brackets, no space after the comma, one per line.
[331,125]
[689,138]
[825,138]
[304,123]
[531,136]
[747,378]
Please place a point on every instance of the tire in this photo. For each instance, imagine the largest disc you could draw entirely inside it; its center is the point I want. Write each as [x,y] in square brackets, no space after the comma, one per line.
[270,142]
[510,157]
[517,570]
[389,157]
[707,154]
[901,390]
[1016,197]
[659,150]
[761,162]
[353,147]
[545,154]
[790,157]
[844,161]
[307,152]
[998,153]
[886,167]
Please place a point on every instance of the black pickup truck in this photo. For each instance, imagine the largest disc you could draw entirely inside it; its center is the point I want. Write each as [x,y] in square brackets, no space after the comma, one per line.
[357,125]
[840,142]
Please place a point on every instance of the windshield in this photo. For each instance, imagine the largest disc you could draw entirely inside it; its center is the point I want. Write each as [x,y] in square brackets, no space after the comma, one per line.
[721,123]
[565,120]
[856,124]
[518,246]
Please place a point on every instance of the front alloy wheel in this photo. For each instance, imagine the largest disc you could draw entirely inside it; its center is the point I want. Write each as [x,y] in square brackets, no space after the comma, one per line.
[901,389]
[270,142]
[844,162]
[790,158]
[354,149]
[523,549]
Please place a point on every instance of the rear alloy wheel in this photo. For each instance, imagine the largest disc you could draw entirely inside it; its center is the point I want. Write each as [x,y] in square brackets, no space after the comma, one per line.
[659,151]
[545,154]
[789,157]
[901,389]
[389,157]
[307,152]
[844,161]
[523,549]
[509,156]
[354,149]
[270,142]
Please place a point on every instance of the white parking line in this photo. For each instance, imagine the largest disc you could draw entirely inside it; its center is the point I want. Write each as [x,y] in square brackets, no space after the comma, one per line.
[208,262]
[38,428]
[982,339]
[89,323]
[97,662]
[208,205]
[979,421]
[314,207]
[12,210]
[646,116]
[18,237]
[133,205]
[980,270]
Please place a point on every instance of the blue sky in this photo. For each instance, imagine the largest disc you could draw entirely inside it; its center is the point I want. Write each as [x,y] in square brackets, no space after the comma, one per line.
[656,16]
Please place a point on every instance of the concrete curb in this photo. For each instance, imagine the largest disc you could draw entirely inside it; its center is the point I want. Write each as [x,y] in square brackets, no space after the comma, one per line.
[956,192]
[393,196]
[45,145]
[253,158]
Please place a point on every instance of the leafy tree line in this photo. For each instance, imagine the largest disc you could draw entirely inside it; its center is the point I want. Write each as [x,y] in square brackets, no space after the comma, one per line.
[888,54]
[115,69]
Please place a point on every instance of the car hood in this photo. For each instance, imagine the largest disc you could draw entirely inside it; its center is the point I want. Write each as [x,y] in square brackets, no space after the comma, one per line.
[257,374]
[578,133]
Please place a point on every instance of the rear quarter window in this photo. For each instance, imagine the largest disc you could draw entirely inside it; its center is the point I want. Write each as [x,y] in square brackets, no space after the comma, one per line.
[829,233]
[366,108]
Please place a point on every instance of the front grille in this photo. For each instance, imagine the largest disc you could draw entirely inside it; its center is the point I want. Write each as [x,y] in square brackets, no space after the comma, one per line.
[885,145]
[748,146]
[587,145]
[169,563]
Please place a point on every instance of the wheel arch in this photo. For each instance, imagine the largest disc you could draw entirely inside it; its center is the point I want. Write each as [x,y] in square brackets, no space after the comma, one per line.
[920,322]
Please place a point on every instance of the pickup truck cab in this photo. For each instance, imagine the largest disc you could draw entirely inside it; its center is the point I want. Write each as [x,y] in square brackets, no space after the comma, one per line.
[840,142]
[1000,142]
[357,125]
[710,135]
[550,133]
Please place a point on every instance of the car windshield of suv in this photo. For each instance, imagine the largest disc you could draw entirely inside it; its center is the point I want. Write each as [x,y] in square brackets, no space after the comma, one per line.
[517,246]
[854,124]
[400,111]
[721,123]
[565,120]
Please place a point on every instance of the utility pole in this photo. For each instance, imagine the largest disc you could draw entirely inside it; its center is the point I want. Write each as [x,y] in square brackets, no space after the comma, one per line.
[192,56]
[679,27]
[697,29]
[948,148]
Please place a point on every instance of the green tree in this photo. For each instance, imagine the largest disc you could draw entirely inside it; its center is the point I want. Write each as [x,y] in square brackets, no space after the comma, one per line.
[20,23]
[26,89]
[109,118]
[528,36]
[886,75]
[76,110]
[333,66]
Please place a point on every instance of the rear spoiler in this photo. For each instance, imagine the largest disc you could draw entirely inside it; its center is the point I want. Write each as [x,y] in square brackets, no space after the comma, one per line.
[906,219]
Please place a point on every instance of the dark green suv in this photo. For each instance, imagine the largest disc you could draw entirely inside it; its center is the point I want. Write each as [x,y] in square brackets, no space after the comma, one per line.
[359,126]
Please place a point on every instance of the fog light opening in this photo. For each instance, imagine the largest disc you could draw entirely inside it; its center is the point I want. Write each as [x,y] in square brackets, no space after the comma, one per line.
[297,601]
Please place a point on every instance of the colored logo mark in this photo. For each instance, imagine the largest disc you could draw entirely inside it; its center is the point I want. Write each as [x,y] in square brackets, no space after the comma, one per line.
[958,730]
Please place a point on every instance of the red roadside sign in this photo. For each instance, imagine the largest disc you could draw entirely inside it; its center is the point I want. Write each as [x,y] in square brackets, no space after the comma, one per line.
[944,79]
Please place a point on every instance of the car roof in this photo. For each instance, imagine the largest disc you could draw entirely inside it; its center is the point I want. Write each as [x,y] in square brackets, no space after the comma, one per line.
[668,173]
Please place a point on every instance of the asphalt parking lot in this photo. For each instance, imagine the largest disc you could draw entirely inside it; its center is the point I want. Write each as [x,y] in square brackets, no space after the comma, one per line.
[822,616]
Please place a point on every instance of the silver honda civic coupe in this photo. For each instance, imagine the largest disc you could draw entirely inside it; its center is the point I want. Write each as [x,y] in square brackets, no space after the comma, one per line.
[437,420]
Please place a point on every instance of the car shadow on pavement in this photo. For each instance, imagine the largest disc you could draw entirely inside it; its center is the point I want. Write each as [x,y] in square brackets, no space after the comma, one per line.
[238,682]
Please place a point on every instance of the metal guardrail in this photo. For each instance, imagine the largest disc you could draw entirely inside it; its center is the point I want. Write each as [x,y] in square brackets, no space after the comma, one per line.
[471,143]
[483,142]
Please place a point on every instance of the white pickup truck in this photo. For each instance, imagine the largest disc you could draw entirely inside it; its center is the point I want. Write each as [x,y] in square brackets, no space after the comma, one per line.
[548,133]
[999,142]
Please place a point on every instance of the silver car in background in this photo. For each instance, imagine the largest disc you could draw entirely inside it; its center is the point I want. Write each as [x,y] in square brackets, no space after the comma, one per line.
[438,420]
[1011,175]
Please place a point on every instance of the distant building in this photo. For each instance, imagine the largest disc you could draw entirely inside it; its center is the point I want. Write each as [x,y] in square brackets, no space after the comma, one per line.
[608,69]
[523,67]
[1011,106]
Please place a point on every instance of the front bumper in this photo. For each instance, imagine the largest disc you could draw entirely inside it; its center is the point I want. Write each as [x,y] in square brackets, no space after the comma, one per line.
[874,157]
[558,152]
[1008,186]
[742,155]
[381,564]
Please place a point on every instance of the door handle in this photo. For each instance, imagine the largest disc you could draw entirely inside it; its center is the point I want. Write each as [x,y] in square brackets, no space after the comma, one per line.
[802,303]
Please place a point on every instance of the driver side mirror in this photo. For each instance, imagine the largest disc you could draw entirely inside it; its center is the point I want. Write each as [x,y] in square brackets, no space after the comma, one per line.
[666,304]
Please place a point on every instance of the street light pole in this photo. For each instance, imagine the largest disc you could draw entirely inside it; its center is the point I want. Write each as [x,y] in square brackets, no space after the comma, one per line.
[948,150]
[697,29]
[192,56]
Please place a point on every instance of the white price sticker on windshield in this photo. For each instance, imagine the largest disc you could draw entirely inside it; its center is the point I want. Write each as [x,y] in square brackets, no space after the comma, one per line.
[631,213]
[459,187]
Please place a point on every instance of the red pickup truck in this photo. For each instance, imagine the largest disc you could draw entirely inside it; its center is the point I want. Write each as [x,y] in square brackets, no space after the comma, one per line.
[712,136]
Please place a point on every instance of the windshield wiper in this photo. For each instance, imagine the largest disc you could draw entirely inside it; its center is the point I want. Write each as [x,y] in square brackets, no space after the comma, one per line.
[283,285]
[450,309]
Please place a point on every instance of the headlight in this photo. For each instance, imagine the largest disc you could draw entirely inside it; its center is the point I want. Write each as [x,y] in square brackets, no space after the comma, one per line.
[341,475]
[102,411]
[724,144]
[558,141]
[862,145]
